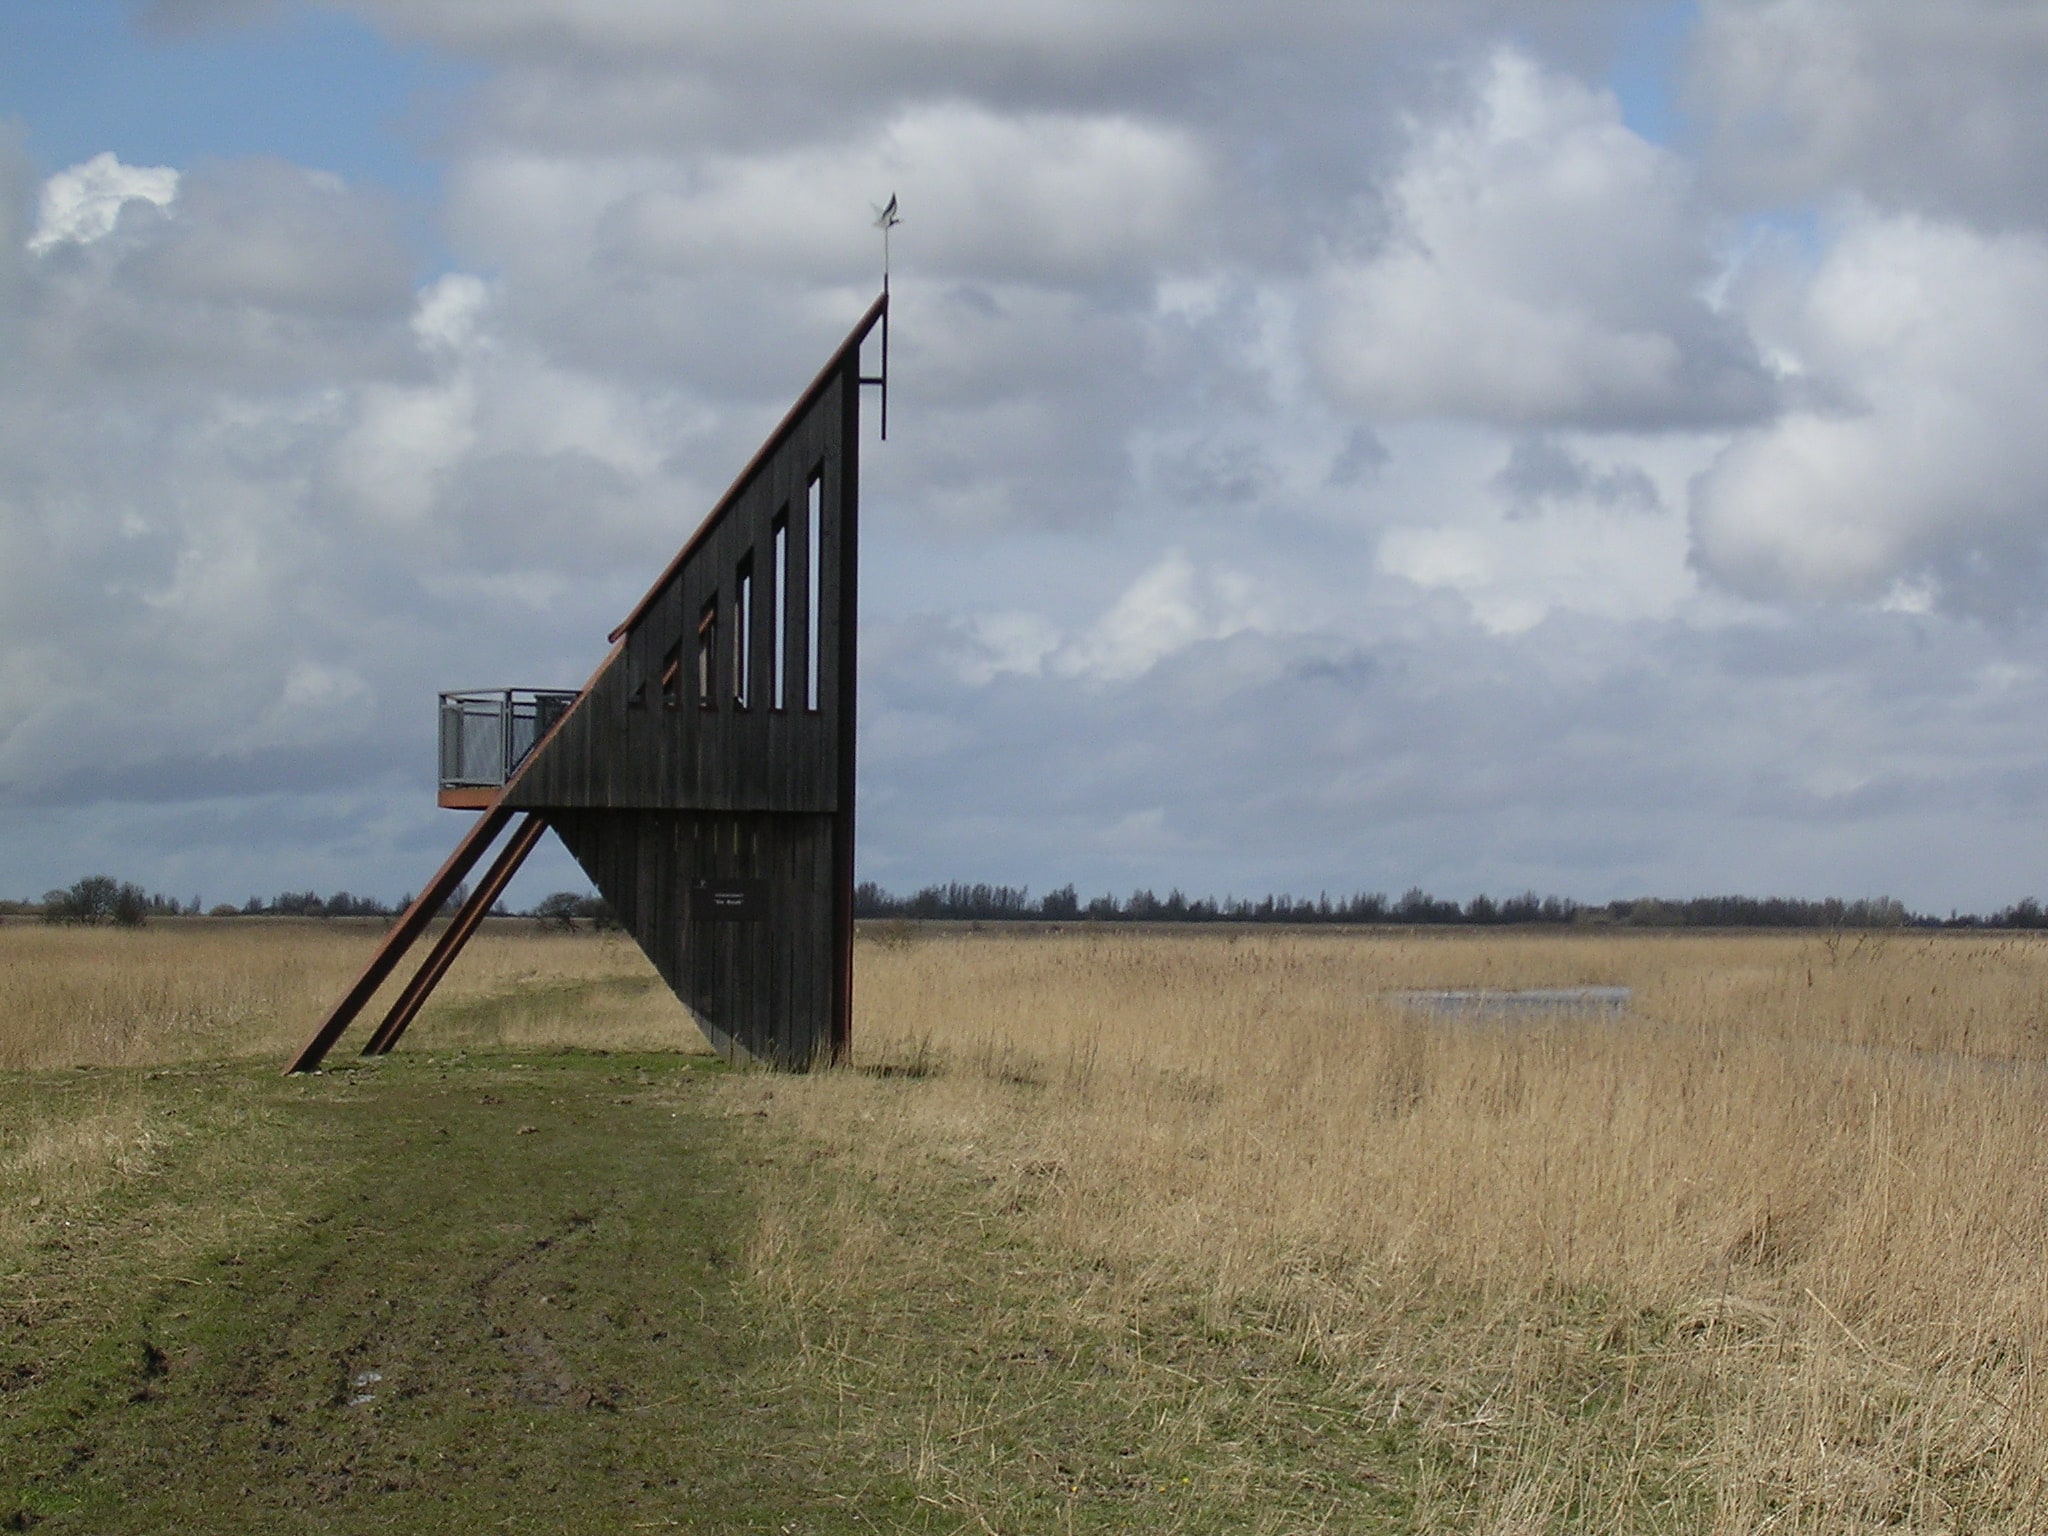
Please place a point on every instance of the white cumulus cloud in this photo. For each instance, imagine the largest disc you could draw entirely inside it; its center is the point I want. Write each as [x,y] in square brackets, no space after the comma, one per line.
[83,203]
[1920,465]
[1543,268]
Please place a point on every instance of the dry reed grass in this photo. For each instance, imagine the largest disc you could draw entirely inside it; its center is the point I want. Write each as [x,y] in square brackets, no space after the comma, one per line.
[206,989]
[1801,1194]
[1769,1254]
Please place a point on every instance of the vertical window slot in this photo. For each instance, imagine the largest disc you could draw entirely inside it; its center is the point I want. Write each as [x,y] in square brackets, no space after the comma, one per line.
[781,578]
[672,677]
[815,517]
[707,655]
[743,634]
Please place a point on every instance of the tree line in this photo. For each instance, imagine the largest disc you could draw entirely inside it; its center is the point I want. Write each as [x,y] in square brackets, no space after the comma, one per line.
[960,902]
[101,899]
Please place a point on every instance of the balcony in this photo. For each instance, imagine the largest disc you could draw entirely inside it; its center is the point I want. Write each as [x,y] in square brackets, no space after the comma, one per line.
[487,733]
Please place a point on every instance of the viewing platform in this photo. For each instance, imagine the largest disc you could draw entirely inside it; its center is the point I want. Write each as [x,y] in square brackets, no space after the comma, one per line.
[486,734]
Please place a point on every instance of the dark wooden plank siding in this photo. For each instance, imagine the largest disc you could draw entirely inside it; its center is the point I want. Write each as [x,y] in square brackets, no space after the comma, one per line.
[764,985]
[621,748]
[651,799]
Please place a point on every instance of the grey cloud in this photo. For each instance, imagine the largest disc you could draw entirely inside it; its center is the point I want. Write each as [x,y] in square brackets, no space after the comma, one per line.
[1361,454]
[1296,104]
[178,19]
[1466,763]
[524,510]
[259,274]
[270,235]
[17,220]
[1217,474]
[1939,108]
[970,46]
[1540,469]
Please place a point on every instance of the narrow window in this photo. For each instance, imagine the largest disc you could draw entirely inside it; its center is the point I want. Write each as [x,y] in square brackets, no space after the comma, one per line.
[781,578]
[672,677]
[743,635]
[816,517]
[707,655]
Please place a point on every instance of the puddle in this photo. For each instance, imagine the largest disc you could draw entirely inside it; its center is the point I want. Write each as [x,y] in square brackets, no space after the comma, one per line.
[1532,1003]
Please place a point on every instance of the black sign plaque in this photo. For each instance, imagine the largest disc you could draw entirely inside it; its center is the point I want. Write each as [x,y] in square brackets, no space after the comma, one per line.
[729,901]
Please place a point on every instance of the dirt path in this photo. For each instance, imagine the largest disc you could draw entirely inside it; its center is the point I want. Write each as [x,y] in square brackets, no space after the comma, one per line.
[496,1295]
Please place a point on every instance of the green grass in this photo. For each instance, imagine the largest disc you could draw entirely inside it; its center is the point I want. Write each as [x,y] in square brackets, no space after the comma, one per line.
[500,1294]
[564,1291]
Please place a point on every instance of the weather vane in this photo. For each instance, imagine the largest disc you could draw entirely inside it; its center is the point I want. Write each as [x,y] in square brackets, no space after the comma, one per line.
[886,219]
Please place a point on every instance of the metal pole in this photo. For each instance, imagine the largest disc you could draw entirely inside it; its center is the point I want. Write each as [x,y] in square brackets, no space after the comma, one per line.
[457,934]
[402,936]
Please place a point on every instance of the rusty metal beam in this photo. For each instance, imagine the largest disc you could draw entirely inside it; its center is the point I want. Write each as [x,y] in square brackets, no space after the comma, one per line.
[404,933]
[457,934]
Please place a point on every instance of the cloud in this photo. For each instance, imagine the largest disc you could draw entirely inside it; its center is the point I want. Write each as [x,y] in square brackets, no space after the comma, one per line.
[250,478]
[1542,268]
[901,47]
[179,19]
[1292,411]
[1166,608]
[1937,108]
[1542,470]
[82,203]
[1037,197]
[740,262]
[1918,463]
[252,272]
[1362,454]
[1568,758]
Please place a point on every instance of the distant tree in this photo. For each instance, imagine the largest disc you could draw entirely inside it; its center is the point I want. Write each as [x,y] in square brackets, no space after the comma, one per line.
[98,899]
[2025,913]
[567,908]
[561,908]
[1060,905]
[131,906]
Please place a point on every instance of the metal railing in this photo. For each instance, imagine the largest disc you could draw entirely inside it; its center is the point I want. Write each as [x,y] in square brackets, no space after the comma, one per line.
[486,733]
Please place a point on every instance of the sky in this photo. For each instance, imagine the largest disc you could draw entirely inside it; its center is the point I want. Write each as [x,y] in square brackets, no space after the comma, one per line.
[1564,445]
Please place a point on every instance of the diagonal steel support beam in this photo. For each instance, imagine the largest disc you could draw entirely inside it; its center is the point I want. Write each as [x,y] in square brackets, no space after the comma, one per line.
[457,934]
[403,935]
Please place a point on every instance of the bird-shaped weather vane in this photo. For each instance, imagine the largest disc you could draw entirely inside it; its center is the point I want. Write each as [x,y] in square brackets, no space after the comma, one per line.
[886,219]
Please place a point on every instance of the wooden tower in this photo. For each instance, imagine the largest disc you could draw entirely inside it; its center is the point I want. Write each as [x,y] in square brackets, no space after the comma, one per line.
[703,777]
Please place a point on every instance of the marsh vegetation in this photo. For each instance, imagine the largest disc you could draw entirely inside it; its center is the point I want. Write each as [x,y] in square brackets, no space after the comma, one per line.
[1112,1227]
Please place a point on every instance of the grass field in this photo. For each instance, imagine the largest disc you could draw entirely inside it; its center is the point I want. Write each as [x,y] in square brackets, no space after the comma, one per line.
[1107,1230]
